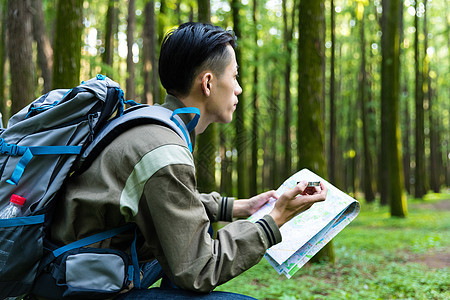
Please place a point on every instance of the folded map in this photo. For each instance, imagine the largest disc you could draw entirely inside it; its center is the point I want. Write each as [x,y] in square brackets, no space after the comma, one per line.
[308,232]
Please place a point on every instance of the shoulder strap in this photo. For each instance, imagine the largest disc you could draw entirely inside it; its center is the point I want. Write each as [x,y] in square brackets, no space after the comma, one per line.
[134,116]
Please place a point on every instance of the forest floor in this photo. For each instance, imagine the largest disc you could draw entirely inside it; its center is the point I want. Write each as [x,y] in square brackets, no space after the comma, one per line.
[436,258]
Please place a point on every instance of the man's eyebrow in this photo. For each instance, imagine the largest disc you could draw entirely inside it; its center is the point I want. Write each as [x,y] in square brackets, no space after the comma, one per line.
[237,67]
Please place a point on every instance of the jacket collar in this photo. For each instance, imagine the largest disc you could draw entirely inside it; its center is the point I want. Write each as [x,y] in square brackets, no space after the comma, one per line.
[171,102]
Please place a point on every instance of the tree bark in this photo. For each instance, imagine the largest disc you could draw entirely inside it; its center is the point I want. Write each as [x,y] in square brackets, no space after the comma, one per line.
[333,138]
[130,91]
[226,165]
[310,128]
[362,91]
[274,92]
[4,109]
[255,124]
[44,48]
[67,49]
[207,141]
[241,131]
[287,44]
[419,178]
[435,169]
[204,11]
[20,54]
[150,64]
[390,138]
[108,55]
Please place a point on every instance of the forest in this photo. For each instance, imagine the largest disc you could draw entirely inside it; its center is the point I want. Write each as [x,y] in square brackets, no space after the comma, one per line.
[357,91]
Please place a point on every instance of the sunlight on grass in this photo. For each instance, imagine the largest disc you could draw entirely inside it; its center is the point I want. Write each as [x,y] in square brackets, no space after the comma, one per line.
[374,260]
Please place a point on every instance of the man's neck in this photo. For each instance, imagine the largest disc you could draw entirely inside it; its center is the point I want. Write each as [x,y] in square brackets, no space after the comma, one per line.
[191,101]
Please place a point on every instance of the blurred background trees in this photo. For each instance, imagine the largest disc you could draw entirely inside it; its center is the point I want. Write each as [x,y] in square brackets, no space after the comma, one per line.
[355,90]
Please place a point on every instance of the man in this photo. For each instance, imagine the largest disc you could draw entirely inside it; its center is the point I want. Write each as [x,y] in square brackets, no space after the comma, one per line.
[147,176]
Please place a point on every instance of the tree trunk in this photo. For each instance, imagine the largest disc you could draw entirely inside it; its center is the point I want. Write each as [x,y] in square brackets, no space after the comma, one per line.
[150,64]
[67,50]
[130,91]
[406,138]
[241,132]
[274,91]
[435,170]
[108,55]
[207,141]
[226,165]
[362,91]
[204,11]
[333,139]
[419,178]
[310,128]
[389,110]
[20,53]
[4,109]
[287,37]
[162,20]
[340,115]
[255,124]
[44,48]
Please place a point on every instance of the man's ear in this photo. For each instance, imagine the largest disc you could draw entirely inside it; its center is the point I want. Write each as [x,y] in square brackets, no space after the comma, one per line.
[206,83]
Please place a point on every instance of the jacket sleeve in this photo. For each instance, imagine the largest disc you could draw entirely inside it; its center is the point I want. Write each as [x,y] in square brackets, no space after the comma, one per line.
[185,250]
[218,208]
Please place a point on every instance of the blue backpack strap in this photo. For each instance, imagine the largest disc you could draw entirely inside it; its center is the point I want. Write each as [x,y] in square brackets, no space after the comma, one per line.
[27,154]
[190,126]
[132,117]
[93,239]
[134,260]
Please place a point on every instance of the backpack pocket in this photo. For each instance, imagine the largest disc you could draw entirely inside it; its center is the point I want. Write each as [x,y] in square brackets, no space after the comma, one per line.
[21,248]
[88,272]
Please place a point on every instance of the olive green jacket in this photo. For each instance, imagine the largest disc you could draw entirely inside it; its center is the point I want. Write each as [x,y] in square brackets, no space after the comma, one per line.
[147,176]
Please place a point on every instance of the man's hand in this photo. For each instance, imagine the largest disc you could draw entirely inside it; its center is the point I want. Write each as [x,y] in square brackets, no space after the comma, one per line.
[246,207]
[296,201]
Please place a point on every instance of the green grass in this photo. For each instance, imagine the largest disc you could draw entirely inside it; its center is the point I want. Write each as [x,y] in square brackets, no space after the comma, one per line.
[377,257]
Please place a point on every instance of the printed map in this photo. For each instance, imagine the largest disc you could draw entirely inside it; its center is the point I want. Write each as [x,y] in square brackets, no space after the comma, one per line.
[307,233]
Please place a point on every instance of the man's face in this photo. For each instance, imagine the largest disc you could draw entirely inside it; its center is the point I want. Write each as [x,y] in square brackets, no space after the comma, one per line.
[224,92]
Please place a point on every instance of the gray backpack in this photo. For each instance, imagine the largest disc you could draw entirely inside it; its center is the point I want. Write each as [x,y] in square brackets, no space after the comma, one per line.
[57,135]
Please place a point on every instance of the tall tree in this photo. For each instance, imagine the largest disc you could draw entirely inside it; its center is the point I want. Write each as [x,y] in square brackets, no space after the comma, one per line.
[288,28]
[20,53]
[130,91]
[255,125]
[390,138]
[3,54]
[204,11]
[150,64]
[273,84]
[332,129]
[310,125]
[362,94]
[208,140]
[44,48]
[241,131]
[226,165]
[435,169]
[406,151]
[406,135]
[67,49]
[108,55]
[419,177]
[162,22]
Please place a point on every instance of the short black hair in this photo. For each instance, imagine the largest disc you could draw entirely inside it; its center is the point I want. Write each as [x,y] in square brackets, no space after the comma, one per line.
[190,49]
